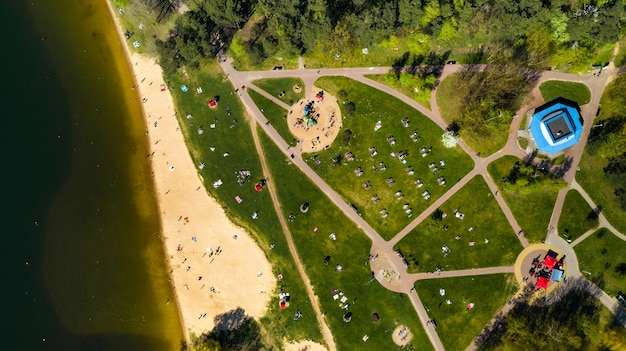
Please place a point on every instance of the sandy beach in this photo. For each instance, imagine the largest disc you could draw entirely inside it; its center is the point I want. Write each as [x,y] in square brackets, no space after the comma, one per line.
[210,258]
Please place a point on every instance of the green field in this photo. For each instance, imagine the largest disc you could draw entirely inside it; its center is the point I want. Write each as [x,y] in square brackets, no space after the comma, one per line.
[450,106]
[577,92]
[532,211]
[602,255]
[372,106]
[591,178]
[576,217]
[457,325]
[350,250]
[282,88]
[423,247]
[422,99]
[275,114]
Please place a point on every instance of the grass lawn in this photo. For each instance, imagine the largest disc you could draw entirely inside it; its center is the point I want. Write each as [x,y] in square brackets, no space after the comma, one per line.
[393,137]
[380,78]
[350,249]
[423,246]
[578,92]
[532,211]
[456,325]
[275,114]
[573,221]
[450,105]
[600,254]
[276,87]
[591,178]
[238,142]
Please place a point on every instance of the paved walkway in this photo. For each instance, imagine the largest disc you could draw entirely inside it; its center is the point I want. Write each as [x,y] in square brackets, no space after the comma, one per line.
[407,281]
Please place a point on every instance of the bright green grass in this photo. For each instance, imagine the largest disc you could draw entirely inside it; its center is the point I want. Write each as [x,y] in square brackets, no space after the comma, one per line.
[599,254]
[591,178]
[450,105]
[522,125]
[578,92]
[620,58]
[457,326]
[447,99]
[532,211]
[275,114]
[380,78]
[351,250]
[238,142]
[572,221]
[276,87]
[423,246]
[378,56]
[372,106]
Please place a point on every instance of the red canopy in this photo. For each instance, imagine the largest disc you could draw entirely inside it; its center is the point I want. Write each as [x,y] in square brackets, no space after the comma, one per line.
[549,261]
[543,282]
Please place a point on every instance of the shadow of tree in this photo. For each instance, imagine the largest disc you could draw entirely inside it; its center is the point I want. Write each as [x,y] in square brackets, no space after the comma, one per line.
[235,331]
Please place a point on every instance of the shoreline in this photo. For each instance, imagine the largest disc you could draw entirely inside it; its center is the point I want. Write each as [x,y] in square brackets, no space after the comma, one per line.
[193,237]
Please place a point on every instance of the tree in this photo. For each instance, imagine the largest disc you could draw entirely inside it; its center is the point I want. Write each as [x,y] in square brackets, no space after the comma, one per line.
[229,13]
[346,137]
[558,23]
[431,12]
[235,331]
[418,43]
[448,31]
[207,345]
[350,109]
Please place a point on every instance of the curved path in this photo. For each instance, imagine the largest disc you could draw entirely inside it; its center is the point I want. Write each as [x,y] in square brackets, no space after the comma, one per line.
[407,281]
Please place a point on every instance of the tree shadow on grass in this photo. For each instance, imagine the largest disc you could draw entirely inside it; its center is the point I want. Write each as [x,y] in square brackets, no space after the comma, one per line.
[234,330]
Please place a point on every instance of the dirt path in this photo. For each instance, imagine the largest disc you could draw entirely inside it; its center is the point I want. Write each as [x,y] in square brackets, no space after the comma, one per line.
[328,336]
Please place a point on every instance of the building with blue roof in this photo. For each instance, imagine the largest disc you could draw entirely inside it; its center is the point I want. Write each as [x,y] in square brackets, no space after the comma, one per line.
[556,126]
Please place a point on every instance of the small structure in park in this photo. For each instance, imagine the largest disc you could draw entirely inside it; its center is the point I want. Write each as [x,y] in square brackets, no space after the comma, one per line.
[556,126]
[304,208]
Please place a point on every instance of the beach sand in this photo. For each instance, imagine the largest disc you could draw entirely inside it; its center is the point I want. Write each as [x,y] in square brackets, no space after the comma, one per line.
[207,282]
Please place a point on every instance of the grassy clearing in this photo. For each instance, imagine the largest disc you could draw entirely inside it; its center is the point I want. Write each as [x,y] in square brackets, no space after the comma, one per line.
[620,58]
[282,88]
[350,249]
[137,13]
[602,254]
[372,106]
[424,101]
[448,100]
[423,246]
[577,92]
[532,211]
[457,325]
[591,178]
[275,114]
[237,141]
[577,217]
[450,107]
[377,56]
[522,125]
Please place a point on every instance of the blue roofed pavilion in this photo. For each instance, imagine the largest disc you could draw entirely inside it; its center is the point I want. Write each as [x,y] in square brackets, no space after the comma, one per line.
[556,125]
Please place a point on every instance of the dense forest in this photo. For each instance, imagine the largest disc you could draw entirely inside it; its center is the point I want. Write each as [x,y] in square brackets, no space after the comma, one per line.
[567,319]
[557,33]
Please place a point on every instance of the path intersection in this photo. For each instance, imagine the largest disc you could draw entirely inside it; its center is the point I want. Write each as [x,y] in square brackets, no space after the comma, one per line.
[405,282]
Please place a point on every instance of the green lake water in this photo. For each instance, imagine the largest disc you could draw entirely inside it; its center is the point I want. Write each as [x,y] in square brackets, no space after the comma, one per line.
[82,263]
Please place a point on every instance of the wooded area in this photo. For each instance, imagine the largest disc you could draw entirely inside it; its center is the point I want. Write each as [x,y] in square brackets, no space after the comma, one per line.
[536,34]
[567,319]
